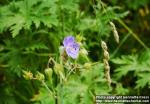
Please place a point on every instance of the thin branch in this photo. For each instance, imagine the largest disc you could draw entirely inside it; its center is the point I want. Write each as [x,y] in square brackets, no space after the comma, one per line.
[133,34]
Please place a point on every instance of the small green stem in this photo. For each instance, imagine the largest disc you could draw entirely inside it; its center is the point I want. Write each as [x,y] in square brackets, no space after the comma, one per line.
[61,17]
[45,85]
[38,54]
[133,34]
[123,40]
[71,70]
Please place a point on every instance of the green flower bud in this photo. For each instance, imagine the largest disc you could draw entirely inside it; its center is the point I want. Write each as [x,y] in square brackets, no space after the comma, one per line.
[39,76]
[58,68]
[83,51]
[87,65]
[79,38]
[27,75]
[49,73]
[61,50]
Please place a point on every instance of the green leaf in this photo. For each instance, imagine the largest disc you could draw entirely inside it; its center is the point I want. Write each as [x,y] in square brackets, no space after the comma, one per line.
[43,96]
[121,90]
[37,46]
[125,60]
[143,80]
[17,26]
[27,13]
[126,64]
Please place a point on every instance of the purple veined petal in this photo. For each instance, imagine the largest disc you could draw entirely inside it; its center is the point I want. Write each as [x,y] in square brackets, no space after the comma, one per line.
[73,50]
[68,40]
[71,54]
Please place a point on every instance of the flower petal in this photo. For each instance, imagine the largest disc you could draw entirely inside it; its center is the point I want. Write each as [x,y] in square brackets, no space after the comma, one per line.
[68,40]
[72,50]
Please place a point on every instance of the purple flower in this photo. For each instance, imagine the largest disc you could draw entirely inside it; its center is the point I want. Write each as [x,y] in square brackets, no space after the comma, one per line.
[71,47]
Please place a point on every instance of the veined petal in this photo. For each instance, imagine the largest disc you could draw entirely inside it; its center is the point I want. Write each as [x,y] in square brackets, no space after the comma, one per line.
[68,40]
[73,50]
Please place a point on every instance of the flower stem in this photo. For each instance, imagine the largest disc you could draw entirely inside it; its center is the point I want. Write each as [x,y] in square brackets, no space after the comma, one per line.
[133,34]
[45,85]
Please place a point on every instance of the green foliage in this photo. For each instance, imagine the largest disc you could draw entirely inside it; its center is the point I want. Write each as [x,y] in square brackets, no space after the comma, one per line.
[139,65]
[134,4]
[127,63]
[31,32]
[143,80]
[26,12]
[43,97]
[78,89]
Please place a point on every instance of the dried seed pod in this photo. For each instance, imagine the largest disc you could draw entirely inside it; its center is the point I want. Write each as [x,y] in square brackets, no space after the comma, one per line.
[106,55]
[103,45]
[106,63]
[116,36]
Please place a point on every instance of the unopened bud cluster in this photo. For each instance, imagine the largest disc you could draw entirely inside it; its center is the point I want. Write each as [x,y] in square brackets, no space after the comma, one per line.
[105,60]
[27,75]
[39,76]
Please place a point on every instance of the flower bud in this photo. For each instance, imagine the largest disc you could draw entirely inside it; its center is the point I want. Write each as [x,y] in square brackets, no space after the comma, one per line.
[83,51]
[87,65]
[61,50]
[58,68]
[79,38]
[39,76]
[49,73]
[27,75]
